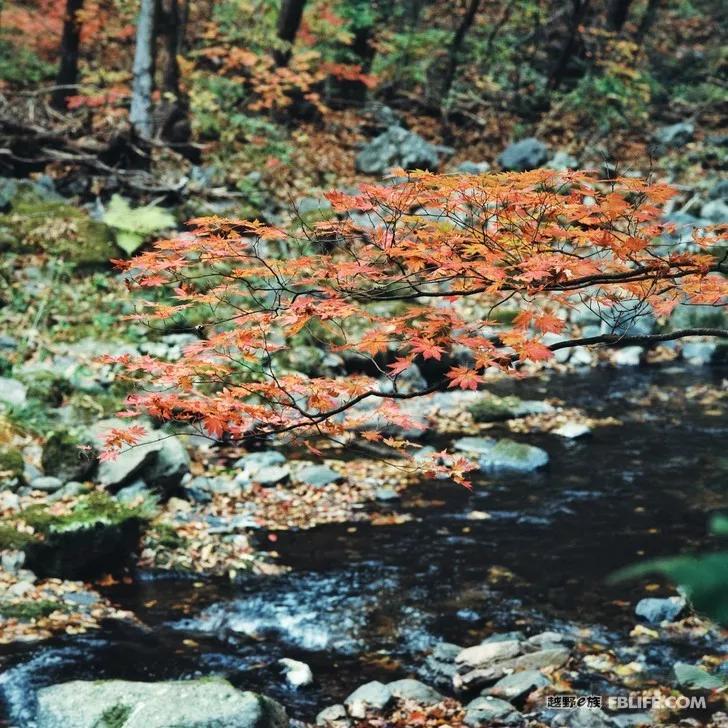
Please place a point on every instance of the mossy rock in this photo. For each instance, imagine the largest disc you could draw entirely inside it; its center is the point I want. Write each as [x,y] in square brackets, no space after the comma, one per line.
[63,457]
[47,387]
[494,409]
[99,535]
[29,611]
[11,468]
[54,227]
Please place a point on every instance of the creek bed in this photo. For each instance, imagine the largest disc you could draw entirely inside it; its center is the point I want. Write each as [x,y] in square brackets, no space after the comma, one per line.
[368,602]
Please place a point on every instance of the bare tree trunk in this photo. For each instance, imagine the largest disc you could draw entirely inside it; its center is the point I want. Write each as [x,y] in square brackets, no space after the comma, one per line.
[648,20]
[289,21]
[617,14]
[456,46]
[140,113]
[579,8]
[171,29]
[70,42]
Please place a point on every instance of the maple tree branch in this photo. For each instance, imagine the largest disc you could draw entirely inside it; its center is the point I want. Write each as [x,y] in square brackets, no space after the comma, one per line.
[639,340]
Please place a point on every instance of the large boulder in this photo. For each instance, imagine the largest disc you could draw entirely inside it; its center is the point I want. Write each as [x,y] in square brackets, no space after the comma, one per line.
[206,703]
[525,154]
[675,135]
[159,458]
[414,690]
[372,696]
[487,711]
[503,455]
[65,456]
[397,147]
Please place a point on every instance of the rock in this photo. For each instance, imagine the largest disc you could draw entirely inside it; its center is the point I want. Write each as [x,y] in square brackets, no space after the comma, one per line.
[518,684]
[504,637]
[298,674]
[69,490]
[629,316]
[548,639]
[159,458]
[206,703]
[549,657]
[675,135]
[628,356]
[572,430]
[486,711]
[473,167]
[373,696]
[137,492]
[715,211]
[583,718]
[491,408]
[698,353]
[632,720]
[252,463]
[439,667]
[475,445]
[525,154]
[47,483]
[397,147]
[318,476]
[386,494]
[64,457]
[414,690]
[12,468]
[656,610]
[12,560]
[333,717]
[272,474]
[12,393]
[487,653]
[515,456]
[561,161]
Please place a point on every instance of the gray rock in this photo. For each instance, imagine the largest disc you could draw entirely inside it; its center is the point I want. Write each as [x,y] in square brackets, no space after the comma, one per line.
[47,483]
[508,455]
[715,211]
[698,352]
[675,135]
[333,717]
[208,703]
[656,610]
[719,191]
[628,356]
[629,316]
[298,674]
[572,430]
[8,342]
[439,667]
[418,692]
[486,711]
[518,684]
[397,147]
[548,639]
[134,493]
[548,657]
[12,392]
[473,167]
[525,154]
[272,474]
[628,720]
[562,160]
[372,696]
[12,561]
[69,490]
[487,653]
[319,476]
[386,494]
[583,718]
[252,462]
[475,445]
[504,637]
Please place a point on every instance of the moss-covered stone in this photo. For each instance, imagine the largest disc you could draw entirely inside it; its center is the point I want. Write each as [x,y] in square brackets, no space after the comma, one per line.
[12,538]
[494,409]
[54,227]
[47,387]
[11,468]
[115,716]
[64,458]
[28,611]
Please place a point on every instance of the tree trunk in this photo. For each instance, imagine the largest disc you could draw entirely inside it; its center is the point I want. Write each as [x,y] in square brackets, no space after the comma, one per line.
[140,113]
[67,75]
[647,21]
[456,46]
[171,27]
[579,8]
[617,14]
[289,21]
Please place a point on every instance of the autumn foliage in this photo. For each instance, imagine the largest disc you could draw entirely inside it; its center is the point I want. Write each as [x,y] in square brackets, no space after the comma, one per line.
[405,273]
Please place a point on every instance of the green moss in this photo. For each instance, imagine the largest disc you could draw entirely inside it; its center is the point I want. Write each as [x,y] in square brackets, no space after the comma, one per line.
[30,610]
[52,226]
[89,510]
[494,409]
[11,463]
[165,536]
[11,538]
[47,387]
[63,458]
[115,716]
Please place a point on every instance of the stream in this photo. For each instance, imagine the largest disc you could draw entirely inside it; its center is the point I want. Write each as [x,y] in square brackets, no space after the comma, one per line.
[361,602]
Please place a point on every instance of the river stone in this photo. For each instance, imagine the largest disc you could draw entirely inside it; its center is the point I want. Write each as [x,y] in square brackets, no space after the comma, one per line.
[628,356]
[318,476]
[206,703]
[372,696]
[396,147]
[47,483]
[63,457]
[478,445]
[486,711]
[518,684]
[699,352]
[12,392]
[656,610]
[333,717]
[562,160]
[549,657]
[525,154]
[548,639]
[584,718]
[572,430]
[675,135]
[418,692]
[511,455]
[439,666]
[468,167]
[487,653]
[715,211]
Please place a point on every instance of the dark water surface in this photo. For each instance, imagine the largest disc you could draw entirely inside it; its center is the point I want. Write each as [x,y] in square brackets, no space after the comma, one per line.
[365,602]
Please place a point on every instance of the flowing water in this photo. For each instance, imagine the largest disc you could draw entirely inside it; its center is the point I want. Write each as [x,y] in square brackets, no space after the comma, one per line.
[364,602]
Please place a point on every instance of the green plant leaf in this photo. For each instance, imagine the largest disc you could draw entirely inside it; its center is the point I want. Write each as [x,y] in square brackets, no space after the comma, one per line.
[132,224]
[129,241]
[694,677]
